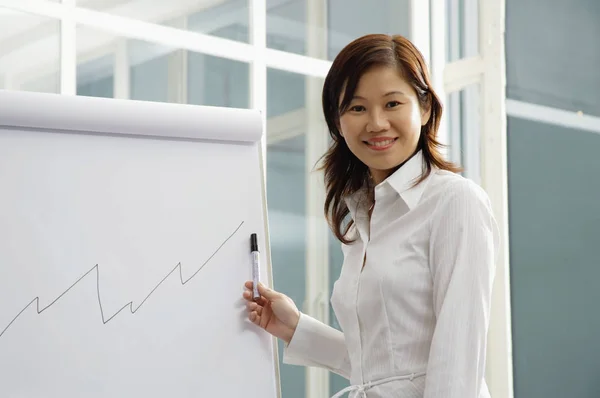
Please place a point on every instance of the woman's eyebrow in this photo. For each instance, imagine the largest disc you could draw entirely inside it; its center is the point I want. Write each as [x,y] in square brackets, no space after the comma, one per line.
[384,95]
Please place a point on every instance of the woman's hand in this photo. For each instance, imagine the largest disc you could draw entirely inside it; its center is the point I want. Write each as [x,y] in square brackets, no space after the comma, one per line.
[273,311]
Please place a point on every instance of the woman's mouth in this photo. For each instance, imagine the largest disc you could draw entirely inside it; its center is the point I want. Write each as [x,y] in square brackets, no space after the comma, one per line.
[380,144]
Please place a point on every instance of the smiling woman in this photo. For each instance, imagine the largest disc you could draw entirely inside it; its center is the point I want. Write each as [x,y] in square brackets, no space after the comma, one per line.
[382,127]
[413,296]
[381,110]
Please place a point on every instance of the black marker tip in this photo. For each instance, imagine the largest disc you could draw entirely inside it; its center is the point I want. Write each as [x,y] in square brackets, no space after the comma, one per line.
[253,243]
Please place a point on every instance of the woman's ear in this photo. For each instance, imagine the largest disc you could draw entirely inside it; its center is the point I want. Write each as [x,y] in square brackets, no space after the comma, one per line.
[426,113]
[339,128]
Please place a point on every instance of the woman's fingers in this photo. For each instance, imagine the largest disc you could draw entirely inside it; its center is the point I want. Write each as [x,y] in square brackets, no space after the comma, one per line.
[247,294]
[255,311]
[255,318]
[261,301]
[267,292]
[263,290]
[253,306]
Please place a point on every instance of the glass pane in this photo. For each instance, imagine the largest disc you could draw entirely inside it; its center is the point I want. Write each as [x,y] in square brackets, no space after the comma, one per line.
[225,18]
[218,81]
[350,19]
[464,126]
[95,77]
[287,26]
[124,68]
[554,223]
[562,71]
[286,202]
[285,92]
[462,24]
[291,115]
[332,24]
[29,52]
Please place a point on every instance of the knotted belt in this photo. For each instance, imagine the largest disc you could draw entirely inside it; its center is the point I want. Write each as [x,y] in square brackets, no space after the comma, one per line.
[362,388]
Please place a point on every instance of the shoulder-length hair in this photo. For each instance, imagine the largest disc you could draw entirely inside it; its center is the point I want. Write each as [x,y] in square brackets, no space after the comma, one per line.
[344,173]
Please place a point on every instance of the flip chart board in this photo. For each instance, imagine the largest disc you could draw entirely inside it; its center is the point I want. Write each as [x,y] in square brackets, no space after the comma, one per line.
[124,245]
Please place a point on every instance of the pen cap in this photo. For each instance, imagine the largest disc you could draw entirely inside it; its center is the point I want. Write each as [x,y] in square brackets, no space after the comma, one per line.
[253,243]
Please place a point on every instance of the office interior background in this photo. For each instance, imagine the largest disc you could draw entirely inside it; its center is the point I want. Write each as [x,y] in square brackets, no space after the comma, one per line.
[519,80]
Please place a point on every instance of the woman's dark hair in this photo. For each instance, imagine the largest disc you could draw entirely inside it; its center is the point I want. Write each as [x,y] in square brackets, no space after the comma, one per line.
[345,174]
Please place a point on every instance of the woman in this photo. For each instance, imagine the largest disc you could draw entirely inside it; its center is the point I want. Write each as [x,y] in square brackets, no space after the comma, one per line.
[413,296]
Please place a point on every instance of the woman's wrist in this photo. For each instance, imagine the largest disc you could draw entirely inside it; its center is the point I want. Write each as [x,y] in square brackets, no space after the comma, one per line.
[288,338]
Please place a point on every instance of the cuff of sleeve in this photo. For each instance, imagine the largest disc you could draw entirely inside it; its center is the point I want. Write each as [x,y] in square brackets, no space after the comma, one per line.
[295,350]
[314,342]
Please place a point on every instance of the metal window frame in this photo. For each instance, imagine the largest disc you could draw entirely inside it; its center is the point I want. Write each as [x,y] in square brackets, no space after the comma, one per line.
[487,69]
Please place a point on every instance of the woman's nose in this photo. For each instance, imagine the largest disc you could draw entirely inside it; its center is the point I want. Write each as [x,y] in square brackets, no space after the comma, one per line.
[377,122]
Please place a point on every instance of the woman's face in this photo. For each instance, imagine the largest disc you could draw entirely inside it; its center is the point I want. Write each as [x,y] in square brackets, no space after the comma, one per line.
[383,122]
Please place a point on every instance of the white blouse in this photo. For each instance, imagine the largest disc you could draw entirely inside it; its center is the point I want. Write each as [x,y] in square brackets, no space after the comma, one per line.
[415,318]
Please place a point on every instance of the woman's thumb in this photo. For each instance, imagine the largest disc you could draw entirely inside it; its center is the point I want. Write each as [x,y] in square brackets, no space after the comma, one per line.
[266,292]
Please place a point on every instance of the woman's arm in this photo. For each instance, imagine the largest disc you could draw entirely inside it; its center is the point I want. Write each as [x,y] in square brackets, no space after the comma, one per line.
[463,250]
[317,344]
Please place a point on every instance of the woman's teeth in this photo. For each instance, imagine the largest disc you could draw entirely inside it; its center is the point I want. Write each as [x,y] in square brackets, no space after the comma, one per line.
[380,143]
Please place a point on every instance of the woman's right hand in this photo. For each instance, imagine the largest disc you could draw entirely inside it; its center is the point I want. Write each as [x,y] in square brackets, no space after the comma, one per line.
[273,311]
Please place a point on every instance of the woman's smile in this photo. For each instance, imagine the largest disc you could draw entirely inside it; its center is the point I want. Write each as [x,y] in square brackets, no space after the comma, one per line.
[380,143]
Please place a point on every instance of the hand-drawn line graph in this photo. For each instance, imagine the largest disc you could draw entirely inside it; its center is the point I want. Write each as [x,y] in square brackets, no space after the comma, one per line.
[129,304]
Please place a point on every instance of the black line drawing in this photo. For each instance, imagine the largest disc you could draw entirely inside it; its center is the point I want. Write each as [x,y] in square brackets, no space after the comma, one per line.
[129,304]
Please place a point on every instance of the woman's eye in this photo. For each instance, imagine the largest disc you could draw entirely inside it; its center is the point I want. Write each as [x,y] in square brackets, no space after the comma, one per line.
[392,104]
[357,108]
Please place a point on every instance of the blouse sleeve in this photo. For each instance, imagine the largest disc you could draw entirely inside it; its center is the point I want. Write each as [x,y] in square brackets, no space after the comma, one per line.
[317,344]
[463,250]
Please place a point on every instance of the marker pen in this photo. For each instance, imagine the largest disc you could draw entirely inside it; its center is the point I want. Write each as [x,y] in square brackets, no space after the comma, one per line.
[255,266]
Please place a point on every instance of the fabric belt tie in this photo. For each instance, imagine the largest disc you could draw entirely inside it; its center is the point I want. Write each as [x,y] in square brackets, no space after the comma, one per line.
[362,388]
